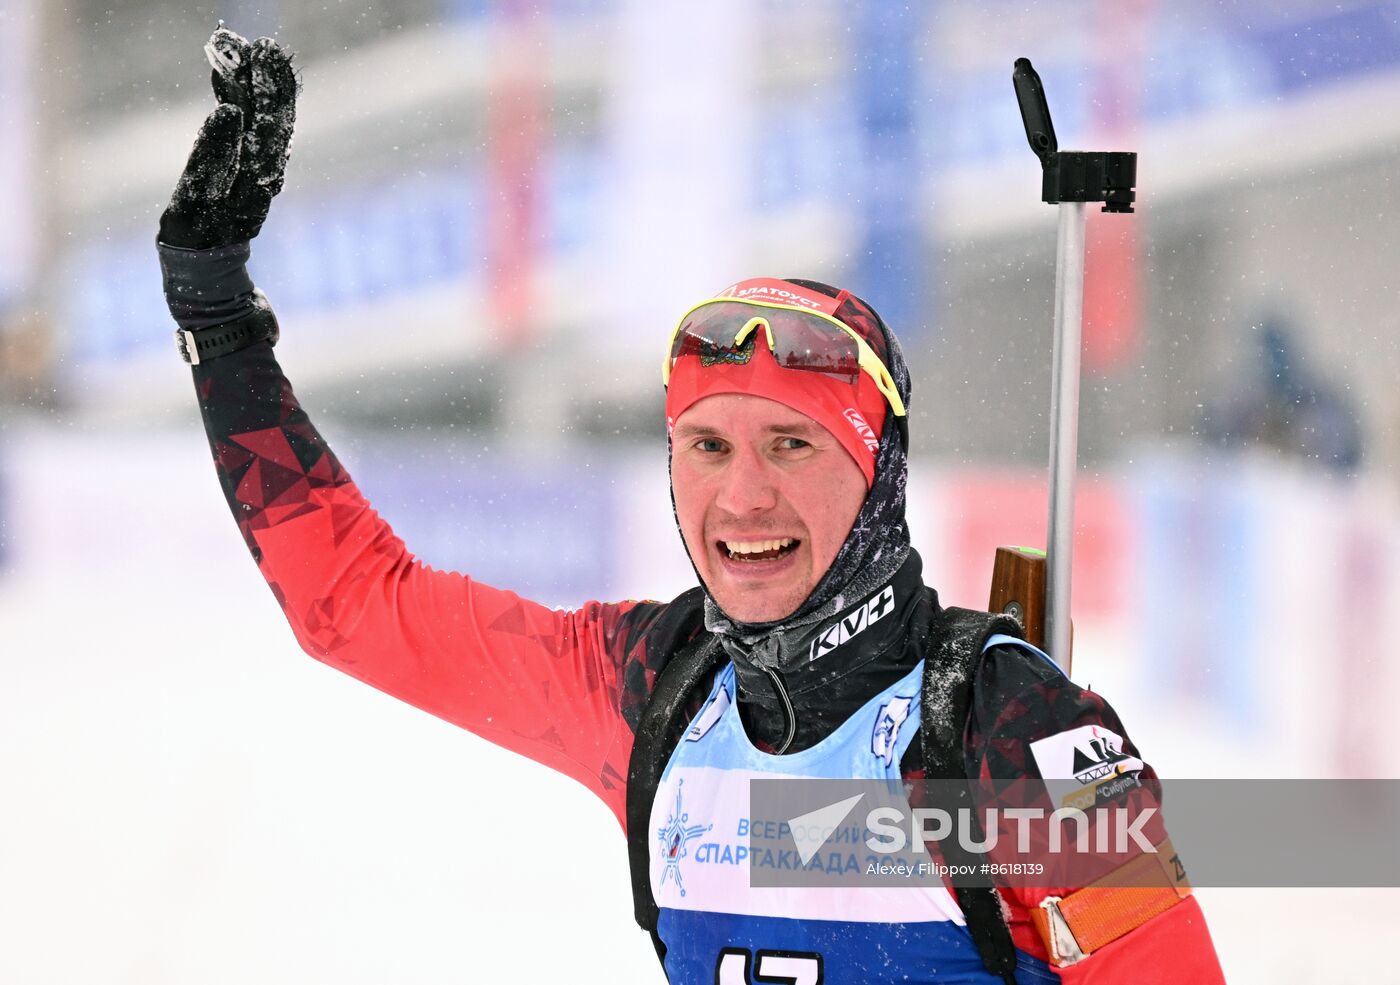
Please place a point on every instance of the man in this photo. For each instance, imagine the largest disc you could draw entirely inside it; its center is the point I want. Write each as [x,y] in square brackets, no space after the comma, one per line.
[786,415]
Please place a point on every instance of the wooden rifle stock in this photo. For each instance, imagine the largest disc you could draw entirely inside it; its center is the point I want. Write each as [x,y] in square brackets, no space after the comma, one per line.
[1018,589]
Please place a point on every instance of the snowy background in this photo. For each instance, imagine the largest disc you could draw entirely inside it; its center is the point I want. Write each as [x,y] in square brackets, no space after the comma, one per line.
[494,212]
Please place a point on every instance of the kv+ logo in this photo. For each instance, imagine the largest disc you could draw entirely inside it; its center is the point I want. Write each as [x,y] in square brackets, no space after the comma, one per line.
[844,629]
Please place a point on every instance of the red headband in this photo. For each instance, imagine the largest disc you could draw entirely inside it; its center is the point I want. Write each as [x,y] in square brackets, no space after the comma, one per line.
[853,414]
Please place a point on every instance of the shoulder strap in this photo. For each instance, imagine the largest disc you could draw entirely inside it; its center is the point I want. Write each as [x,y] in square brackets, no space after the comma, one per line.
[659,730]
[956,640]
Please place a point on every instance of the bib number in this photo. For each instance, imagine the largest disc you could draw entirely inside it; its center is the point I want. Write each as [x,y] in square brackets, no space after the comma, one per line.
[777,967]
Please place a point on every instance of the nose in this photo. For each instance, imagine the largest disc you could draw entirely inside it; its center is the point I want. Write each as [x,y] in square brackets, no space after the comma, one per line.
[748,484]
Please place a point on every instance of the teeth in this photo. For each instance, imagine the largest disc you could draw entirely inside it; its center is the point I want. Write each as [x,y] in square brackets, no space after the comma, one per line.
[757,546]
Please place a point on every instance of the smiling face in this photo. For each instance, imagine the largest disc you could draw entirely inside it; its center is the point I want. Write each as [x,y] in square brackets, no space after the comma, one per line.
[765,497]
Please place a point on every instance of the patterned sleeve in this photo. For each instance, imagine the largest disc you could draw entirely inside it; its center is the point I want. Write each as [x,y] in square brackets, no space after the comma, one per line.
[1029,723]
[556,686]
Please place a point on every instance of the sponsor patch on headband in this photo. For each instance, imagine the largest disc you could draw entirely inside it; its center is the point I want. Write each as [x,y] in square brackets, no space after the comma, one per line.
[781,292]
[866,432]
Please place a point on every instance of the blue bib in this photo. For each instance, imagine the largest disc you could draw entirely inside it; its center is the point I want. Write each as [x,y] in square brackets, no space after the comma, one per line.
[720,931]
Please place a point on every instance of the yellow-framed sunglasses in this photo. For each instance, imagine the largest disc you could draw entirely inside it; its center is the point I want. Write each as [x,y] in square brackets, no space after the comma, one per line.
[800,338]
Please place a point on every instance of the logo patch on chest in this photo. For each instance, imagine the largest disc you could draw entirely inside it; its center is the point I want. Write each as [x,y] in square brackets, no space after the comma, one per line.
[674,837]
[888,719]
[853,624]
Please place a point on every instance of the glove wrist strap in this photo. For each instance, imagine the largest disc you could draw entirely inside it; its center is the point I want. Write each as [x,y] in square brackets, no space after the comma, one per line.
[199,345]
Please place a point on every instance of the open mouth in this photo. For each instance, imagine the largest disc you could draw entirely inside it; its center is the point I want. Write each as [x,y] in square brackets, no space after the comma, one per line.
[758,550]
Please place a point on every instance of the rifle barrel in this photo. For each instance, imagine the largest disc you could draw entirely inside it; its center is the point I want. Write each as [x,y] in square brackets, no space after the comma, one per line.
[1064,425]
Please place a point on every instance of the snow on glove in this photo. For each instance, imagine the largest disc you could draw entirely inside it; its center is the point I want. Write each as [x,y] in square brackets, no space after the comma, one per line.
[240,155]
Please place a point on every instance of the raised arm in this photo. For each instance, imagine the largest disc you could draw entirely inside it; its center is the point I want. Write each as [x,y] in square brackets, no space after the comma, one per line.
[548,684]
[542,682]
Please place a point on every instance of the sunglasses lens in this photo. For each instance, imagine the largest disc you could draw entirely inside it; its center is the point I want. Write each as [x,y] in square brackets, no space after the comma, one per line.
[858,321]
[806,342]
[802,341]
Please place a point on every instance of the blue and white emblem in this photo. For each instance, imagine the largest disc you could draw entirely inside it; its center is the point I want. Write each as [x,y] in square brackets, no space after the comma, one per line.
[887,722]
[674,836]
[709,716]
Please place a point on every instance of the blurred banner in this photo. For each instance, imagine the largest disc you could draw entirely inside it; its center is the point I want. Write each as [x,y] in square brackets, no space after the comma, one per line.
[1113,268]
[678,179]
[892,260]
[19,123]
[1196,60]
[516,134]
[546,531]
[620,188]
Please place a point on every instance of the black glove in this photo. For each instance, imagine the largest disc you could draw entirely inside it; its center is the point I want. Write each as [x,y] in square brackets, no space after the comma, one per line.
[223,197]
[240,155]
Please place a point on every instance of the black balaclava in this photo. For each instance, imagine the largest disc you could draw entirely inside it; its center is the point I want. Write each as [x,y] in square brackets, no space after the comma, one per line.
[873,551]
